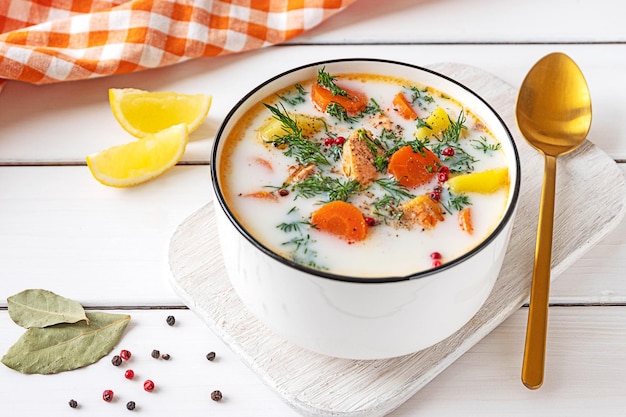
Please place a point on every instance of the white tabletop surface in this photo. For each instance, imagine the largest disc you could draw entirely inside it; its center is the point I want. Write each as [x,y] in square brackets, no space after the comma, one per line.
[107,248]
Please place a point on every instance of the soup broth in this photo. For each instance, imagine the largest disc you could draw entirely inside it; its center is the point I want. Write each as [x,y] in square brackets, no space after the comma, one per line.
[364,175]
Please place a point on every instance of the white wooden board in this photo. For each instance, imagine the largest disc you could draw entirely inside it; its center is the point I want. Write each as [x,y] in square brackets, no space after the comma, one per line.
[590,202]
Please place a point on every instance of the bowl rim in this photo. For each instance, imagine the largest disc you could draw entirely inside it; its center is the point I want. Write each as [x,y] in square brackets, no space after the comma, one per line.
[506,218]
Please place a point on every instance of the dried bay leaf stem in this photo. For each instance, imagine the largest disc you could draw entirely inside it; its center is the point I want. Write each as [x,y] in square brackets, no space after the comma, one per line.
[42,308]
[65,347]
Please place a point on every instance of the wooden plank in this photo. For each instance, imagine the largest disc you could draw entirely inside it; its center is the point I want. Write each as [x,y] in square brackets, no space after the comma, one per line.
[454,21]
[62,123]
[64,231]
[585,370]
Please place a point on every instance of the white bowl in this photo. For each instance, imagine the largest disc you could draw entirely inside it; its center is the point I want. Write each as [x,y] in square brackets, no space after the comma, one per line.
[353,317]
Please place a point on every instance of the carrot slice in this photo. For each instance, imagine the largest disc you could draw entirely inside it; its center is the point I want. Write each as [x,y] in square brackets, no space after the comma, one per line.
[465,220]
[355,103]
[341,219]
[413,169]
[403,107]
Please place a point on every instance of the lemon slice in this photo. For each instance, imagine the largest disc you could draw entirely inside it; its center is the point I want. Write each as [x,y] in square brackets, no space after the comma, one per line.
[139,161]
[142,112]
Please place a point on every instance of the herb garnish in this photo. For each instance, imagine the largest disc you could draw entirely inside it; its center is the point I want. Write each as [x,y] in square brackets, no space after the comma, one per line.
[460,161]
[320,184]
[456,202]
[303,150]
[418,95]
[339,112]
[482,145]
[294,98]
[394,188]
[328,81]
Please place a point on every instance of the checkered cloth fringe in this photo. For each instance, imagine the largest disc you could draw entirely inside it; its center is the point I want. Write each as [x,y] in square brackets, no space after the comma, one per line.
[46,41]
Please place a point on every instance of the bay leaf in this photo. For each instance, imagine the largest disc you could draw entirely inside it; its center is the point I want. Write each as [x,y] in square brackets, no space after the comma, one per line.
[66,346]
[42,308]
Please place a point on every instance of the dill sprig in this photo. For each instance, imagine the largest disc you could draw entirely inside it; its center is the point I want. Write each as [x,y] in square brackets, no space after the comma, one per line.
[294,98]
[293,226]
[418,95]
[328,81]
[394,188]
[386,207]
[461,161]
[482,145]
[339,112]
[456,202]
[336,188]
[303,150]
[453,132]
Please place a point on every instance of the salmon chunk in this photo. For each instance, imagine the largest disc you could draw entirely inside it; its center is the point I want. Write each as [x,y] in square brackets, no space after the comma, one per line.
[358,159]
[422,211]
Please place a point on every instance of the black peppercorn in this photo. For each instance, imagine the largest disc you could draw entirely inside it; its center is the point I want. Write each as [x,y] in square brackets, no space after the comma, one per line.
[130,405]
[216,395]
[166,356]
[170,320]
[116,360]
[156,354]
[210,356]
[73,403]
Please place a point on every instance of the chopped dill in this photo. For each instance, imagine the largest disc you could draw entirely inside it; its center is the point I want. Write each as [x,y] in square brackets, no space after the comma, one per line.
[328,81]
[418,95]
[294,98]
[456,202]
[339,112]
[304,151]
[293,226]
[372,108]
[394,188]
[320,184]
[453,132]
[386,207]
[482,145]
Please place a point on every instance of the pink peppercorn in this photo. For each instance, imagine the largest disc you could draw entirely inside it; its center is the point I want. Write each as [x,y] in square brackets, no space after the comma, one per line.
[107,395]
[148,385]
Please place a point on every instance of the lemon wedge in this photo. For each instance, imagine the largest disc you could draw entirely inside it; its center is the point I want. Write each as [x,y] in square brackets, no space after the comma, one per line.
[142,112]
[139,161]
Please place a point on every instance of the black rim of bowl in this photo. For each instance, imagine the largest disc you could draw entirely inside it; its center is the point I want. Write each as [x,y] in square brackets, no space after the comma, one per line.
[506,218]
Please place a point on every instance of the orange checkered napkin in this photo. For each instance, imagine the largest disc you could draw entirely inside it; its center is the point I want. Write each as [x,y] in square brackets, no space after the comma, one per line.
[45,41]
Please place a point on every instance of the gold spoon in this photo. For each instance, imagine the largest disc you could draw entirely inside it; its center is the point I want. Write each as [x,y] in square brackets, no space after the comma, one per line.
[554,115]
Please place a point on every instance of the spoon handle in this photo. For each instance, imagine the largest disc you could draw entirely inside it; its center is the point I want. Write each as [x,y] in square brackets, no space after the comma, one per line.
[536,329]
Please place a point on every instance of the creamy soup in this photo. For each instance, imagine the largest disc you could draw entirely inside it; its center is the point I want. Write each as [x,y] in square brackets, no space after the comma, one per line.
[364,175]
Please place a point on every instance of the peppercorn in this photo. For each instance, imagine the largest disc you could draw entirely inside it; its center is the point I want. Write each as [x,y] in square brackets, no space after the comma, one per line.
[155,354]
[210,356]
[170,320]
[130,405]
[125,354]
[116,360]
[283,192]
[166,356]
[107,395]
[129,374]
[73,403]
[148,385]
[216,395]
[448,151]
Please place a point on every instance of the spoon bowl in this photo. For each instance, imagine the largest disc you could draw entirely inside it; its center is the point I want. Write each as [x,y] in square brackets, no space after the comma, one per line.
[553,113]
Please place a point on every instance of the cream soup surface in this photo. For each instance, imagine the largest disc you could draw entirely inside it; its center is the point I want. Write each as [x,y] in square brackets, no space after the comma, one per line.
[273,188]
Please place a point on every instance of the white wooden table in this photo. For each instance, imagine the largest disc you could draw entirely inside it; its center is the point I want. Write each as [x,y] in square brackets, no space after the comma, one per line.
[107,248]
